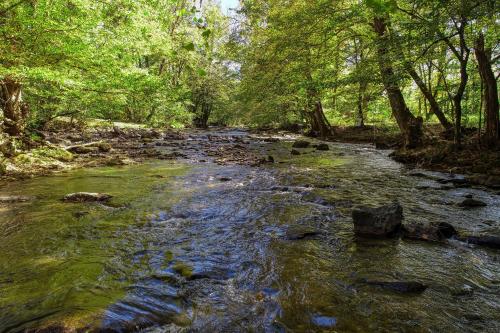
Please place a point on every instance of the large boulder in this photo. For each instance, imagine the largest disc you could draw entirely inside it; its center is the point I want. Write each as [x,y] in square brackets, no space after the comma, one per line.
[87,197]
[378,222]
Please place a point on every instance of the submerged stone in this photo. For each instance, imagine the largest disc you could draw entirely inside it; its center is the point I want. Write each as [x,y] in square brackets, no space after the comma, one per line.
[472,203]
[398,286]
[299,233]
[378,222]
[80,214]
[323,147]
[301,144]
[485,240]
[431,232]
[324,321]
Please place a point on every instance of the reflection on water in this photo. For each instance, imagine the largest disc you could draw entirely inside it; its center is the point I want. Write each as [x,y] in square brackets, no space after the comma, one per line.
[177,248]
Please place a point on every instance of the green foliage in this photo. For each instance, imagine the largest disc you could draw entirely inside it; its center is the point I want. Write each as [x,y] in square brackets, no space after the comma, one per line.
[118,60]
[54,153]
[172,63]
[287,48]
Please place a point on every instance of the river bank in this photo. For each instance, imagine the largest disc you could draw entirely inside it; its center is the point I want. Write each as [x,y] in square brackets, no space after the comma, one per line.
[479,164]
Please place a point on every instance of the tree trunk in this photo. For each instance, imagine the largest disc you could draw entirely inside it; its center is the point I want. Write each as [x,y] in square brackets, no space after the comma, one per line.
[14,110]
[362,103]
[319,124]
[483,56]
[410,126]
[201,120]
[435,108]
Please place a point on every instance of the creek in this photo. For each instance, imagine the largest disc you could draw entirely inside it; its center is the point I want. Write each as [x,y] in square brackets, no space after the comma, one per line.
[196,246]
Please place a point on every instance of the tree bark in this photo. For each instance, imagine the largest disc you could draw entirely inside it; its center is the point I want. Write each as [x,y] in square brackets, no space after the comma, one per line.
[201,119]
[491,105]
[14,110]
[410,126]
[319,124]
[434,105]
[314,110]
[362,103]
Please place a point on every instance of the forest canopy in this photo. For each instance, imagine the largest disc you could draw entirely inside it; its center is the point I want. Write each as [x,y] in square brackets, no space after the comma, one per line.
[312,64]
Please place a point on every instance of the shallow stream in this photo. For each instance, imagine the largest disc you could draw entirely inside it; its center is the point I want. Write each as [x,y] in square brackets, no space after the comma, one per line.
[193,246]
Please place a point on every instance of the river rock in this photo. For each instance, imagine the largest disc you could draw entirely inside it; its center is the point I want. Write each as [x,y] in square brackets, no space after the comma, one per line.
[80,214]
[301,144]
[378,222]
[434,232]
[81,150]
[13,199]
[322,147]
[295,152]
[492,181]
[87,197]
[472,203]
[214,273]
[407,287]
[324,321]
[89,148]
[301,232]
[485,240]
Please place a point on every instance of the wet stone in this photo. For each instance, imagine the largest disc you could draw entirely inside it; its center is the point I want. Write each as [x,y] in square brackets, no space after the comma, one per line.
[429,232]
[465,290]
[485,240]
[323,147]
[299,233]
[215,273]
[472,203]
[301,144]
[87,197]
[407,287]
[80,214]
[378,222]
[13,199]
[324,321]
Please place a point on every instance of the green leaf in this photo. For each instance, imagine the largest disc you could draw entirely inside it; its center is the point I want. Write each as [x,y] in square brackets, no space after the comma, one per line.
[206,33]
[189,46]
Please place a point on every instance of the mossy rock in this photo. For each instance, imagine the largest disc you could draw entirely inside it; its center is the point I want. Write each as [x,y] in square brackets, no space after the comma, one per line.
[81,150]
[53,153]
[103,146]
[183,269]
[3,168]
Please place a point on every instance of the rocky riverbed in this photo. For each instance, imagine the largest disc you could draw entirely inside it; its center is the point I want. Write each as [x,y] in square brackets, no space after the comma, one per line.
[227,231]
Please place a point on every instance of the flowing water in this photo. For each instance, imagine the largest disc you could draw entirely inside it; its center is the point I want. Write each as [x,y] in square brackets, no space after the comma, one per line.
[180,248]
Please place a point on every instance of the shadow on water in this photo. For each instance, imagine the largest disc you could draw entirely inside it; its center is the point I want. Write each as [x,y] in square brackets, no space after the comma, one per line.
[269,249]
